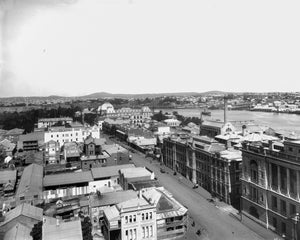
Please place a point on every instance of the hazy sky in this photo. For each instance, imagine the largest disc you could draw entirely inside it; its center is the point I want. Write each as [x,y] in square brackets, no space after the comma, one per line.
[75,47]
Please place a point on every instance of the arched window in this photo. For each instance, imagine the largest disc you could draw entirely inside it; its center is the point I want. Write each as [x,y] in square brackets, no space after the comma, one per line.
[254,171]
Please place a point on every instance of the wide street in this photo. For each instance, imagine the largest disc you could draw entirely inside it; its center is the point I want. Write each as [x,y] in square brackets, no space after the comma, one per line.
[216,223]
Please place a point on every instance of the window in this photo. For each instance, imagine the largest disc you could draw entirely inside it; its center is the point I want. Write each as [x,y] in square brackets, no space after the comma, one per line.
[22,198]
[134,218]
[292,209]
[274,222]
[130,219]
[51,136]
[143,216]
[126,219]
[35,196]
[274,203]
[146,216]
[150,215]
[283,228]
[290,149]
[283,207]
[57,135]
[143,232]
[151,231]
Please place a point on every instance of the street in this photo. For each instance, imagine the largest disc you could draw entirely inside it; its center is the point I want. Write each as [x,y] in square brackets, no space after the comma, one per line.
[214,223]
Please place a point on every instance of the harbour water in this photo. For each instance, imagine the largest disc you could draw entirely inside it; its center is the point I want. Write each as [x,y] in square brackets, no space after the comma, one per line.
[278,121]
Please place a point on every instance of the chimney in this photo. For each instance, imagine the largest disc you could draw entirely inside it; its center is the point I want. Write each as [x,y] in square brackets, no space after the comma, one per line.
[244,130]
[228,144]
[271,145]
[57,222]
[225,110]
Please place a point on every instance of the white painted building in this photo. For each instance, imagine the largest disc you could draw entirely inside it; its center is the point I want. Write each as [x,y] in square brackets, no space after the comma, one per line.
[64,135]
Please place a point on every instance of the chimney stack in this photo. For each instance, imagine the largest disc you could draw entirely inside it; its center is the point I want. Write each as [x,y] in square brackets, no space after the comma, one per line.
[225,110]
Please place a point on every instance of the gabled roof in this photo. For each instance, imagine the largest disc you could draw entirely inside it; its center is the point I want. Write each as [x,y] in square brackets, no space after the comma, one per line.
[26,210]
[15,131]
[18,232]
[31,181]
[103,172]
[67,178]
[8,145]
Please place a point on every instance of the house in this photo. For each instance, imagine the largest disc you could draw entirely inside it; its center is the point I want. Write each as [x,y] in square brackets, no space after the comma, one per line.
[8,181]
[92,146]
[31,185]
[172,122]
[8,147]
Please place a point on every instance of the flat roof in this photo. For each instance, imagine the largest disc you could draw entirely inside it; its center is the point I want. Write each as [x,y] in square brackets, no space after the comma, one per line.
[31,181]
[112,198]
[135,172]
[64,231]
[67,178]
[102,172]
[112,213]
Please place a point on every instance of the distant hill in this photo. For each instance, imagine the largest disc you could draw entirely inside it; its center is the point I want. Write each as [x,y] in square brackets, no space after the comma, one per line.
[148,95]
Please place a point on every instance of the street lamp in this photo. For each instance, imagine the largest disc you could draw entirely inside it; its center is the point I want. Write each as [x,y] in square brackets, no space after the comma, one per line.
[296,219]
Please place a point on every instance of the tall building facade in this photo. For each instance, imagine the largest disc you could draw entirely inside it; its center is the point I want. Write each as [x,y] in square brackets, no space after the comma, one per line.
[271,185]
[208,163]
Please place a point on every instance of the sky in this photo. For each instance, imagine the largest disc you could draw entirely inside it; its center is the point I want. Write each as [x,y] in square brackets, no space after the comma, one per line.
[78,47]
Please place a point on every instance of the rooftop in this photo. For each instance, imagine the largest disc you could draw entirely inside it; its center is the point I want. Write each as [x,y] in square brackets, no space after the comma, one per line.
[135,172]
[24,209]
[8,175]
[31,181]
[55,119]
[64,231]
[133,203]
[67,178]
[18,232]
[34,136]
[112,198]
[103,172]
[112,213]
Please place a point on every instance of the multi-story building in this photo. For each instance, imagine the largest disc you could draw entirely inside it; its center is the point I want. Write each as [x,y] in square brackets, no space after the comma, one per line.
[134,219]
[208,163]
[51,152]
[64,134]
[48,122]
[271,184]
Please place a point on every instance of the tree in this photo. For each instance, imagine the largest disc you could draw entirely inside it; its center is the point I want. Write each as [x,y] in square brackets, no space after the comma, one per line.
[159,116]
[36,232]
[86,227]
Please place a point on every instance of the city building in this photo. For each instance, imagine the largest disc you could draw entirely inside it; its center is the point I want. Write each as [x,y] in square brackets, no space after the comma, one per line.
[128,175]
[49,122]
[204,161]
[8,147]
[171,216]
[107,176]
[71,152]
[271,184]
[51,152]
[172,122]
[31,141]
[134,219]
[31,185]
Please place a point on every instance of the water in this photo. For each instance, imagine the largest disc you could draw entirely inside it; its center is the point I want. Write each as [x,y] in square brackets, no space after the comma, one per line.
[278,121]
